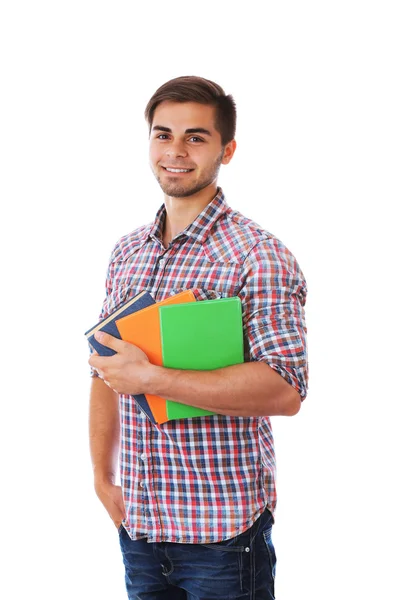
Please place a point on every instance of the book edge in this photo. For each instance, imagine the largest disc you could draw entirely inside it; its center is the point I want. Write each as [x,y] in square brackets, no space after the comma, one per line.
[114,314]
[157,305]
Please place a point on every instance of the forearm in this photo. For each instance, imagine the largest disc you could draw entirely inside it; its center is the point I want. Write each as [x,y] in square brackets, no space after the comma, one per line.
[104,430]
[249,389]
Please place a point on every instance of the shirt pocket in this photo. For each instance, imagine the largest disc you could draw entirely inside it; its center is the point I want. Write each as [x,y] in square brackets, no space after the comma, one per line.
[116,298]
[201,293]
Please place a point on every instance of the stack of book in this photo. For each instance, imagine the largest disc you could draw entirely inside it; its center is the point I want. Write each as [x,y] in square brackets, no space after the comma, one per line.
[177,333]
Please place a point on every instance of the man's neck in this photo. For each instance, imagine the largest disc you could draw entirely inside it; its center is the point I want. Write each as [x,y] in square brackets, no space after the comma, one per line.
[181,212]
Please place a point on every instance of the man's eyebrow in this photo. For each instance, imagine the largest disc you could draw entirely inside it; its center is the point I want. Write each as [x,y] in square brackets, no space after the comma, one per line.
[198,130]
[191,130]
[162,128]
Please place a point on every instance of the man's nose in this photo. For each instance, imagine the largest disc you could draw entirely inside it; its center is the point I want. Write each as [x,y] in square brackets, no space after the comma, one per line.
[176,149]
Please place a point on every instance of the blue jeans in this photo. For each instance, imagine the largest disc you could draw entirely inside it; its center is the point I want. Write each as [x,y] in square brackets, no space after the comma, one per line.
[240,568]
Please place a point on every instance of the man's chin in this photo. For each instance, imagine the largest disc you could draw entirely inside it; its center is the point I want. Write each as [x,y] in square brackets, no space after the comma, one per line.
[177,191]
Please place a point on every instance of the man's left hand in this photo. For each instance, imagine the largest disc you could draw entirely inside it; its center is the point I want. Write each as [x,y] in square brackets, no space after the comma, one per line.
[125,372]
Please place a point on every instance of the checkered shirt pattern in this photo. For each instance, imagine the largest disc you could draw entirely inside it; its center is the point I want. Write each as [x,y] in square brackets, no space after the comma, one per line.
[205,479]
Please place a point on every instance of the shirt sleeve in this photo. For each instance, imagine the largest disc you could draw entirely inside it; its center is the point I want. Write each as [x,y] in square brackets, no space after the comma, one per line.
[105,306]
[273,298]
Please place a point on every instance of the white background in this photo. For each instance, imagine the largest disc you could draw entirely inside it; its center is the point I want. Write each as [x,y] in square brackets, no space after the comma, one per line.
[314,84]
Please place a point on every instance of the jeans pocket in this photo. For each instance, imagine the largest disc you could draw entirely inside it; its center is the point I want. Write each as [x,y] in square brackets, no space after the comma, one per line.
[219,547]
[239,543]
[267,538]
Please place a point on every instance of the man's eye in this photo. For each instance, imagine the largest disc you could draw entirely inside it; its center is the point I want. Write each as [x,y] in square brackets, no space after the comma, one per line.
[196,139]
[162,136]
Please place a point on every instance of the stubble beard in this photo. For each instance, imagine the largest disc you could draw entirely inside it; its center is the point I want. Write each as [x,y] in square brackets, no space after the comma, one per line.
[179,189]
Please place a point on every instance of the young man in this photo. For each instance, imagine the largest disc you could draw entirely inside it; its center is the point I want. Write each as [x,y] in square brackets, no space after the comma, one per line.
[197,497]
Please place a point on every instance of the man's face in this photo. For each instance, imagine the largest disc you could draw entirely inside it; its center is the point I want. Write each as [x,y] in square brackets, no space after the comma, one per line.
[183,138]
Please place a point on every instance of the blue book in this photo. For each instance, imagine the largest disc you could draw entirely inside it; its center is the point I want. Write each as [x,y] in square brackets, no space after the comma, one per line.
[108,325]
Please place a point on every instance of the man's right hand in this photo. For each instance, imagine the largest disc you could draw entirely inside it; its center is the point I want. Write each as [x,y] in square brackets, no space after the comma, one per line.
[110,496]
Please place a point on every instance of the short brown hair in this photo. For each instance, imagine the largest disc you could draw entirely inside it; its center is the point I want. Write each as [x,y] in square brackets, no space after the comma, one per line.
[203,91]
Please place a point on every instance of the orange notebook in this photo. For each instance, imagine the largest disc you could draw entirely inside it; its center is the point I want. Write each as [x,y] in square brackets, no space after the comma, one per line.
[144,330]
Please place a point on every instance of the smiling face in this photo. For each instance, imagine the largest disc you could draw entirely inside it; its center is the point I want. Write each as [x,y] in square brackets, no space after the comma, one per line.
[185,148]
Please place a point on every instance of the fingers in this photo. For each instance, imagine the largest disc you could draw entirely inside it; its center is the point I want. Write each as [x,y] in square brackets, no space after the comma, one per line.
[96,361]
[109,340]
[111,497]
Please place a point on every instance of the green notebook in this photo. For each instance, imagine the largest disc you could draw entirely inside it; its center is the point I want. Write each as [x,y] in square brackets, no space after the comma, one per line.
[200,336]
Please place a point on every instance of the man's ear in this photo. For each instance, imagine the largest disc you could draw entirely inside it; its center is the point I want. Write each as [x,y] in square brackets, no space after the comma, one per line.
[229,150]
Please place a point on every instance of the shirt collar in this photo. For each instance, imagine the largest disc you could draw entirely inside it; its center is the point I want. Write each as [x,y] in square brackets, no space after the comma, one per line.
[202,225]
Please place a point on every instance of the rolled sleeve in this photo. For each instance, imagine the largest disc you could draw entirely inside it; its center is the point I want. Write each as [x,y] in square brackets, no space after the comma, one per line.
[273,298]
[105,308]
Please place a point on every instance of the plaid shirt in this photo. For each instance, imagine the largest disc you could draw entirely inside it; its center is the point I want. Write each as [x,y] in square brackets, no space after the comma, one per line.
[206,479]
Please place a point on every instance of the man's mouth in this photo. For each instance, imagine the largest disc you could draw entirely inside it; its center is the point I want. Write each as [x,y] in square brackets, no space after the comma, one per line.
[174,170]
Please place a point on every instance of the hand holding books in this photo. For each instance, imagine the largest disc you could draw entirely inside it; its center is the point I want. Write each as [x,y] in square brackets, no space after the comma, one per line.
[123,370]
[179,333]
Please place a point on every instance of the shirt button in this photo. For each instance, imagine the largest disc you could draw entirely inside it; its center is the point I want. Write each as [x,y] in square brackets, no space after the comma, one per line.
[143,456]
[142,484]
